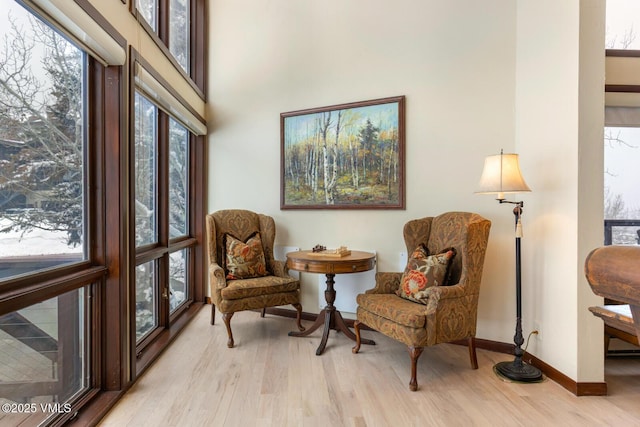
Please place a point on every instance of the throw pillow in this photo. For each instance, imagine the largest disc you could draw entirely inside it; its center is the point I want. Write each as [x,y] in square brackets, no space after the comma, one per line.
[245,260]
[424,271]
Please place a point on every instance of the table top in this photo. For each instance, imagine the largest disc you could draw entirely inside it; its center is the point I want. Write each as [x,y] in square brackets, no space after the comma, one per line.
[307,261]
[617,316]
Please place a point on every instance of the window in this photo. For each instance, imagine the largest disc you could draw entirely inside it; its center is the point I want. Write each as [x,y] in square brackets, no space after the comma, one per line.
[162,233]
[178,280]
[50,270]
[178,213]
[179,27]
[176,36]
[623,24]
[101,258]
[45,358]
[622,124]
[146,139]
[42,146]
[168,168]
[178,178]
[622,195]
[149,11]
[146,205]
[146,299]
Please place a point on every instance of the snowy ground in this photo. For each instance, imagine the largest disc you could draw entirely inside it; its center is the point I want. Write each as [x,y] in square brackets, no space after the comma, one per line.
[36,242]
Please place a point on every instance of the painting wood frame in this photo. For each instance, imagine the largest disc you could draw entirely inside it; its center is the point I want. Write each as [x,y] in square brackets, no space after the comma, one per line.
[347,156]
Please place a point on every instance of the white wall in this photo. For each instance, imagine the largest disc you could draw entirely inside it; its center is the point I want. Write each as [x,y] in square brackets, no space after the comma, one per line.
[590,352]
[467,96]
[559,133]
[454,62]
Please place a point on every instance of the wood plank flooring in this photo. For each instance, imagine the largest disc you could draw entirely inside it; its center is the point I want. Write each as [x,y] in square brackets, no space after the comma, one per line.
[270,379]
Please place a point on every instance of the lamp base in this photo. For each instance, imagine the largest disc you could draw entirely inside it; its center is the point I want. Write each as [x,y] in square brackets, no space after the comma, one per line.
[521,373]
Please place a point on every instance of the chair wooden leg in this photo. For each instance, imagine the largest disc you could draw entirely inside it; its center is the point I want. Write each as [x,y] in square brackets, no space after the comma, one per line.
[213,313]
[356,330]
[414,353]
[263,312]
[227,321]
[472,352]
[298,308]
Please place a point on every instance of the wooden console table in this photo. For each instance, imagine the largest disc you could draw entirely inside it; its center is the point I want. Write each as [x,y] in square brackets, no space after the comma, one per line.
[330,317]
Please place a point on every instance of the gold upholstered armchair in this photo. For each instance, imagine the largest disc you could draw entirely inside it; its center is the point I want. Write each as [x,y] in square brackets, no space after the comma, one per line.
[436,299]
[243,274]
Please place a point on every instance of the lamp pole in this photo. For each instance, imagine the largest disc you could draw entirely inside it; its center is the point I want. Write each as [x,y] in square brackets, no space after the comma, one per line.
[518,370]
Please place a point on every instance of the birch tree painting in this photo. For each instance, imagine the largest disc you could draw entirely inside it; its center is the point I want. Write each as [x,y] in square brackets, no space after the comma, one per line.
[346,156]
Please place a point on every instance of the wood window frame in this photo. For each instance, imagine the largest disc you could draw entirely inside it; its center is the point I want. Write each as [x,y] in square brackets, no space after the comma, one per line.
[92,274]
[197,56]
[108,271]
[168,324]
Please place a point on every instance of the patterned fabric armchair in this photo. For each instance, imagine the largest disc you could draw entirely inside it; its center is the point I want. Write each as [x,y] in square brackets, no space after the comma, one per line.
[238,280]
[449,312]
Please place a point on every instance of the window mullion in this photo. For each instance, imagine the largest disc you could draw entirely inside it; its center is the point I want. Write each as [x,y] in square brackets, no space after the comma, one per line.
[163,179]
[163,21]
[163,218]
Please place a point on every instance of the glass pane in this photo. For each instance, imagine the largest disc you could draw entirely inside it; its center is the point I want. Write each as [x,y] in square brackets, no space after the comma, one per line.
[179,29]
[42,146]
[629,235]
[44,361]
[178,178]
[622,175]
[145,170]
[146,297]
[177,278]
[149,11]
[623,24]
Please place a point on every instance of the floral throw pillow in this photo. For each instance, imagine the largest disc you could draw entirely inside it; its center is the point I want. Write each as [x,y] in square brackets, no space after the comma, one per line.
[245,260]
[424,271]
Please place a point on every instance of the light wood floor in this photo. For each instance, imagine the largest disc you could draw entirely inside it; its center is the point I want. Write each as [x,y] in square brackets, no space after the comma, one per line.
[270,379]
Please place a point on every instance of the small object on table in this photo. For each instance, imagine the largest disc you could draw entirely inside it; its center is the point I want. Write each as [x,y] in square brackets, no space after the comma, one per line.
[333,253]
[319,248]
[342,251]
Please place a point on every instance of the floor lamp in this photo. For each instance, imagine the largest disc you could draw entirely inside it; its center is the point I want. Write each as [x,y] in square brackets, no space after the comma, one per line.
[501,174]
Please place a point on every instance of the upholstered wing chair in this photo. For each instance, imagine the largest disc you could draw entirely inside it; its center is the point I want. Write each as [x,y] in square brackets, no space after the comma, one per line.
[243,274]
[448,311]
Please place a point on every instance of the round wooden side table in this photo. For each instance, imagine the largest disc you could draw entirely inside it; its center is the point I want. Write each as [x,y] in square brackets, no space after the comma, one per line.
[330,265]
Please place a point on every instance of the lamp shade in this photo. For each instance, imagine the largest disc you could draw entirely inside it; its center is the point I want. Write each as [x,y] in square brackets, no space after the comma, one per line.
[501,174]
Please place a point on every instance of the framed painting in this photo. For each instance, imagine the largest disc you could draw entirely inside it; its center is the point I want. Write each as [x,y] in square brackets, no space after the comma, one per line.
[348,156]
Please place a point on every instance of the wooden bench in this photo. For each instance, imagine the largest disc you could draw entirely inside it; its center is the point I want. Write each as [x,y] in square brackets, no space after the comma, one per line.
[618,323]
[613,272]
